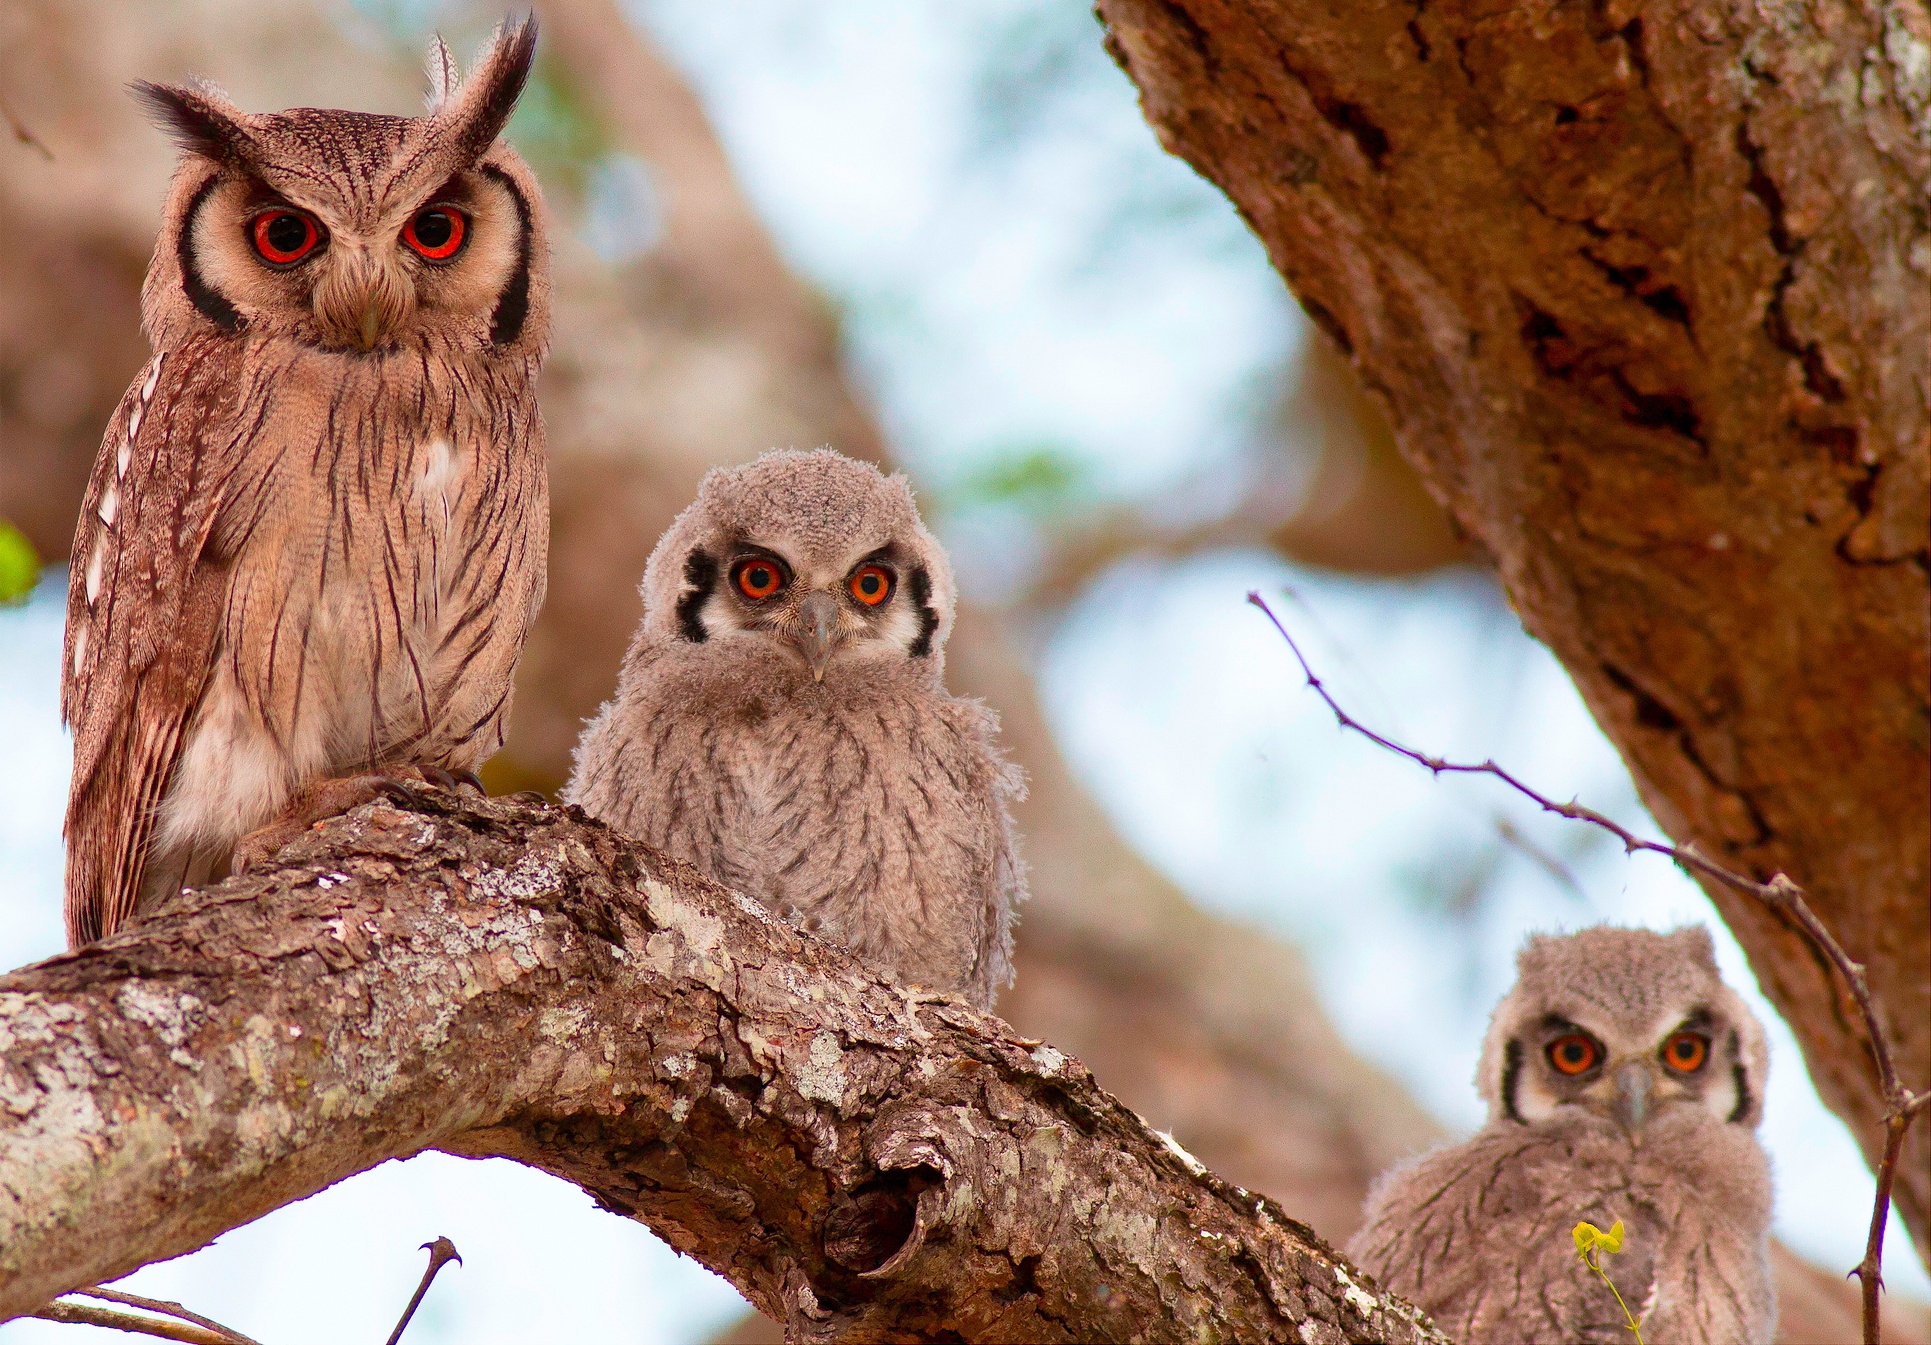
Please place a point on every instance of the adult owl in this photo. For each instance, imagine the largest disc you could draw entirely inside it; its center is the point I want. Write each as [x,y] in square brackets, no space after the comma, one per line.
[316,533]
[781,722]
[1625,1082]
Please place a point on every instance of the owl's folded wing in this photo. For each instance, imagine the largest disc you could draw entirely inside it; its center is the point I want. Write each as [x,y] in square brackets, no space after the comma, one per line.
[143,615]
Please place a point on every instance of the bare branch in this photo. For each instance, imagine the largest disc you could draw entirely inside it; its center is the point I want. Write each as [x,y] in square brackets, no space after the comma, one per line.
[79,1314]
[864,1161]
[441,1252]
[22,133]
[166,1307]
[1779,894]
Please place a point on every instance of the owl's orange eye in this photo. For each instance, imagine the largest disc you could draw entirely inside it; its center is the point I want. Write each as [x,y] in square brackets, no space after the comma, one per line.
[284,237]
[1574,1053]
[1686,1051]
[872,585]
[757,578]
[437,233]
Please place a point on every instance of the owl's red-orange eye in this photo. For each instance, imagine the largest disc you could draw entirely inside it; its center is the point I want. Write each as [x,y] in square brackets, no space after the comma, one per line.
[437,233]
[757,578]
[1574,1053]
[872,585]
[1685,1052]
[284,237]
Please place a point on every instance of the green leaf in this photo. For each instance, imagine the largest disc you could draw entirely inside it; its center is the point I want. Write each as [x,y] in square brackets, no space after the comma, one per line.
[19,564]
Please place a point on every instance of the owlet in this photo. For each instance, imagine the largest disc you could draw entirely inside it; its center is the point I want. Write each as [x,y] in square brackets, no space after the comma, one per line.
[780,722]
[316,533]
[1625,1082]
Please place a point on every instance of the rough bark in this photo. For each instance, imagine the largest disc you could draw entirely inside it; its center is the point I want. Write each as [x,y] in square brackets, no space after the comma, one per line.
[1646,289]
[865,1161]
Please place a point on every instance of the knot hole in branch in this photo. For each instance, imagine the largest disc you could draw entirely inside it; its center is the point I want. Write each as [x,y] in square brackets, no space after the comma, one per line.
[877,1223]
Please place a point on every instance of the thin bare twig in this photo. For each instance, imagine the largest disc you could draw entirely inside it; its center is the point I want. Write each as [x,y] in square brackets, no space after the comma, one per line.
[80,1314]
[441,1252]
[170,1309]
[22,133]
[1901,1105]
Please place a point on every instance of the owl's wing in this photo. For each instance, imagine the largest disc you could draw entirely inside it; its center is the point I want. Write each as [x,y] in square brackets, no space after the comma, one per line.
[1000,784]
[143,614]
[1479,1235]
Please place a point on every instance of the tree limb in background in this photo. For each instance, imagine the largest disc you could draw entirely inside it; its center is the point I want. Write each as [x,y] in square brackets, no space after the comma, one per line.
[864,1161]
[1901,1104]
[1645,288]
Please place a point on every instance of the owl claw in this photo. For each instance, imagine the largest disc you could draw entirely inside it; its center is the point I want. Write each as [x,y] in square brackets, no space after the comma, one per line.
[452,782]
[321,800]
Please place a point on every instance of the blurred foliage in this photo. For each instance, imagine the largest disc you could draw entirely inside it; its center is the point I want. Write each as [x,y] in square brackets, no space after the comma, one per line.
[19,564]
[1045,85]
[1037,478]
[556,130]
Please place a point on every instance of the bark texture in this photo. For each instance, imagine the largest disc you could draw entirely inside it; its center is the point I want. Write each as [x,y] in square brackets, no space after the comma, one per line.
[864,1161]
[1646,290]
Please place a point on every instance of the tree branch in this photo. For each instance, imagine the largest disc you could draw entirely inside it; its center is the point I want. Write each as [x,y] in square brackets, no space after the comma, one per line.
[1902,1105]
[862,1160]
[80,1314]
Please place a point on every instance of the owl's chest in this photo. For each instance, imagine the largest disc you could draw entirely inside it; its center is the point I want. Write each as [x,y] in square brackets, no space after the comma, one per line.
[888,768]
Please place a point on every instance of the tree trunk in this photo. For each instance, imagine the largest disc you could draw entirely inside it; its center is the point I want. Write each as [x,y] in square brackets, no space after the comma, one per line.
[1646,290]
[864,1161]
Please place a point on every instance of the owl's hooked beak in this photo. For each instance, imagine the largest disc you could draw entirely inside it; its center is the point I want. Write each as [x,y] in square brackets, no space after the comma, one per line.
[360,302]
[1632,1096]
[817,632]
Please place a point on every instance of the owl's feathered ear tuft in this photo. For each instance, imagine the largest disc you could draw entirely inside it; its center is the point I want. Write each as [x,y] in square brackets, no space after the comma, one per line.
[444,78]
[199,118]
[477,109]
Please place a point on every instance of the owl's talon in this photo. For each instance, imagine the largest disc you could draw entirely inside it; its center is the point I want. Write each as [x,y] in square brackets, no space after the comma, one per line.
[451,782]
[322,800]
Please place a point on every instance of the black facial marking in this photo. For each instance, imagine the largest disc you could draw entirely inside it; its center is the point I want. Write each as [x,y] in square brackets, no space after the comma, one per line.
[1511,1077]
[1745,1101]
[921,585]
[210,304]
[513,304]
[700,572]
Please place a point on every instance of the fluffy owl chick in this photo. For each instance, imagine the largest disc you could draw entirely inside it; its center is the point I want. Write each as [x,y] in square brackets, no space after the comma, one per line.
[315,535]
[1624,1081]
[781,723]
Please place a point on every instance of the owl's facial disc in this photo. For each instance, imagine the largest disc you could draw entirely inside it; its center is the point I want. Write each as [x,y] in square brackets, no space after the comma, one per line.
[825,610]
[1629,1078]
[361,274]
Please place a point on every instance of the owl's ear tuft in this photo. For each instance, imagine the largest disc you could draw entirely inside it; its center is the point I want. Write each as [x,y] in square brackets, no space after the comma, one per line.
[477,109]
[199,119]
[440,67]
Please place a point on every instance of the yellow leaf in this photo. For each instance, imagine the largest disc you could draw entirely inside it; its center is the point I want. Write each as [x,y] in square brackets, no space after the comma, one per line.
[1589,1238]
[19,566]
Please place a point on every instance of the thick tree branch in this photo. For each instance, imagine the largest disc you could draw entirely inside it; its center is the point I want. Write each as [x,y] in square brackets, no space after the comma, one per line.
[862,1160]
[1643,286]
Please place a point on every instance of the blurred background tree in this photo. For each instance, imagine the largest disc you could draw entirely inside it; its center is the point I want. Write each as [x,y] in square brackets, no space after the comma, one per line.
[945,241]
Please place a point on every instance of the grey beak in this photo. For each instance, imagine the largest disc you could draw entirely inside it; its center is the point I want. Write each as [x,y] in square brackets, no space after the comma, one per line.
[370,328]
[817,631]
[1632,1096]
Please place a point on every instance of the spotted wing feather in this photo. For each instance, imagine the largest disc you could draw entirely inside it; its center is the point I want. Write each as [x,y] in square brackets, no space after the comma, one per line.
[143,613]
